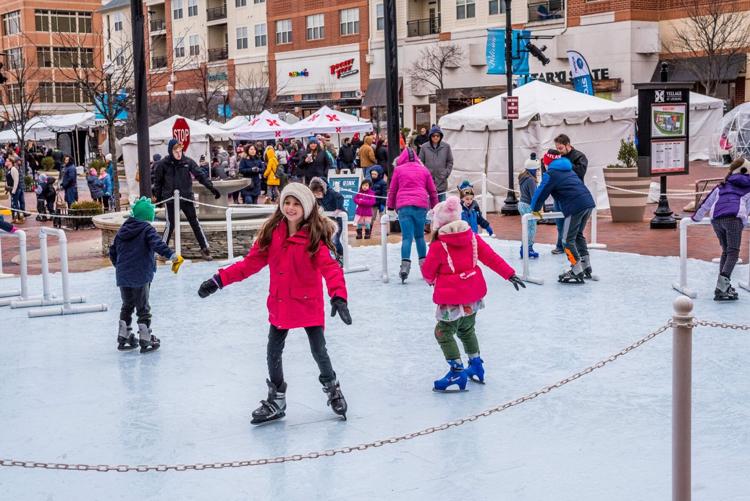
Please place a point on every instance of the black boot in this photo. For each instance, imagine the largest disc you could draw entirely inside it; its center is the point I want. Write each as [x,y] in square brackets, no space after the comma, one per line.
[335,397]
[368,233]
[274,407]
[359,233]
[125,338]
[206,254]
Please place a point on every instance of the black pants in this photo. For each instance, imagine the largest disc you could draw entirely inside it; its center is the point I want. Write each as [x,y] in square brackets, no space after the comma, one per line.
[135,298]
[188,209]
[573,240]
[276,340]
[729,231]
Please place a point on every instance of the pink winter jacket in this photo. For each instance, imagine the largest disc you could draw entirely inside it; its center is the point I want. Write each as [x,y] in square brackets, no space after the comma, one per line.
[364,202]
[452,265]
[411,184]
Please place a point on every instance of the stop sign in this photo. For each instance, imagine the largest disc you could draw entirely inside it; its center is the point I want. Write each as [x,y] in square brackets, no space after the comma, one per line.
[181,132]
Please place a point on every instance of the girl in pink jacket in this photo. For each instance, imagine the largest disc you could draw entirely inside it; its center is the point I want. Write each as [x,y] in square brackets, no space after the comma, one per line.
[452,268]
[365,201]
[296,245]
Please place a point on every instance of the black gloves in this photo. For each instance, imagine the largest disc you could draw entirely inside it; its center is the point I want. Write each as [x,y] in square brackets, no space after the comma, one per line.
[516,282]
[210,286]
[216,193]
[338,305]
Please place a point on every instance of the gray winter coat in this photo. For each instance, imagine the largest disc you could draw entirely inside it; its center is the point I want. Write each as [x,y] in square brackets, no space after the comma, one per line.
[439,161]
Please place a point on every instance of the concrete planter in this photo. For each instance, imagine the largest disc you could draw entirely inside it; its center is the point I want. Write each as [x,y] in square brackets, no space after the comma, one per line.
[626,207]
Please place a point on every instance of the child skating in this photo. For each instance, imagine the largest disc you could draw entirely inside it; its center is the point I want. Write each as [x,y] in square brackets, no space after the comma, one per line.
[470,211]
[452,268]
[728,205]
[364,200]
[296,245]
[527,186]
[132,254]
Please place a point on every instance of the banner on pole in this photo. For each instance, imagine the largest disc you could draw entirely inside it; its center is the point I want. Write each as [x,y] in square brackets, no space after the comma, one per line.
[580,72]
[495,51]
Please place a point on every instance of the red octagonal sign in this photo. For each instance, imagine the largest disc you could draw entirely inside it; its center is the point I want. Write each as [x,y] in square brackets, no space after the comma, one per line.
[181,132]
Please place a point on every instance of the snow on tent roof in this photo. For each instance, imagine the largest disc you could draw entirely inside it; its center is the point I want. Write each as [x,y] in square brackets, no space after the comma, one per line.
[70,121]
[328,121]
[553,105]
[697,102]
[162,132]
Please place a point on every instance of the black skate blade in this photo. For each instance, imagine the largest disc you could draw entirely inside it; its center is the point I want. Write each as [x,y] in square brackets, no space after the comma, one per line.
[149,349]
[722,299]
[459,390]
[126,347]
[261,421]
[570,282]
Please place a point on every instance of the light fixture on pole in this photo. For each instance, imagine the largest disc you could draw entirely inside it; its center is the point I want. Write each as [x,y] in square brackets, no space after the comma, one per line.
[170,89]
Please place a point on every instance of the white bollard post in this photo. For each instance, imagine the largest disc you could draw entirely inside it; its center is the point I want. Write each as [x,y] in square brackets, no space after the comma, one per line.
[682,376]
[384,223]
[525,245]
[44,256]
[230,243]
[682,286]
[177,236]
[484,194]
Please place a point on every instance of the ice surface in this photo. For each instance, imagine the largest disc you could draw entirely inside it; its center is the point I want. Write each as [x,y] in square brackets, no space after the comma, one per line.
[67,395]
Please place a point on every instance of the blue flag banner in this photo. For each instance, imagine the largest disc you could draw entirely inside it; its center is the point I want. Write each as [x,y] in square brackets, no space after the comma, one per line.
[119,102]
[495,52]
[581,74]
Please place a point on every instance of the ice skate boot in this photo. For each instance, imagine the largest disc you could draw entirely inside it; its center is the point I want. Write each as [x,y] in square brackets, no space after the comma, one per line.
[457,376]
[403,272]
[359,234]
[274,407]
[587,271]
[335,398]
[368,233]
[125,337]
[724,290]
[475,370]
[532,253]
[571,277]
[148,341]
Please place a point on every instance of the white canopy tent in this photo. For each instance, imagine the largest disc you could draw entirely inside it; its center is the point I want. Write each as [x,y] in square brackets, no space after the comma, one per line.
[478,134]
[264,126]
[235,123]
[70,121]
[704,124]
[36,130]
[328,121]
[159,135]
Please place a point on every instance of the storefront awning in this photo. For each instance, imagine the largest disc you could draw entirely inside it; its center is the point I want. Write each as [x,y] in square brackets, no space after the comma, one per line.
[727,68]
[375,94]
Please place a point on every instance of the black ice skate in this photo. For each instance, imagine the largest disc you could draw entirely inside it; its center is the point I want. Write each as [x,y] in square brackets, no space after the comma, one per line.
[571,277]
[724,290]
[403,272]
[335,397]
[272,408]
[147,341]
[125,337]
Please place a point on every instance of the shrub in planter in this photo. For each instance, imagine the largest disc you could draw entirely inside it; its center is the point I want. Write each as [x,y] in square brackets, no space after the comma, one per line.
[28,183]
[97,164]
[48,163]
[83,208]
[627,192]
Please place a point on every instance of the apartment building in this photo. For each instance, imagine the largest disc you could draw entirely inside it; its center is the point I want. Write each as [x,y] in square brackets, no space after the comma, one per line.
[47,38]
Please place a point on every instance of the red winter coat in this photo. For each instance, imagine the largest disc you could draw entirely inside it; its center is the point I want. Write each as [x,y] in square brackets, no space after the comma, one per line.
[295,295]
[451,265]
[364,201]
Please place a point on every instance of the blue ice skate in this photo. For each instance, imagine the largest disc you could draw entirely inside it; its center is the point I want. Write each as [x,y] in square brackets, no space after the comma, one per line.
[532,253]
[456,376]
[475,370]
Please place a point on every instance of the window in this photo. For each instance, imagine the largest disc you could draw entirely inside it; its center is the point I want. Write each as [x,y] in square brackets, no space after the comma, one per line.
[260,35]
[46,92]
[259,1]
[349,21]
[316,27]
[118,21]
[192,8]
[13,93]
[284,31]
[240,3]
[496,7]
[465,9]
[177,9]
[44,57]
[14,58]
[84,22]
[65,21]
[41,18]
[12,23]
[179,47]
[67,93]
[194,42]
[64,57]
[120,57]
[379,17]
[87,58]
[242,38]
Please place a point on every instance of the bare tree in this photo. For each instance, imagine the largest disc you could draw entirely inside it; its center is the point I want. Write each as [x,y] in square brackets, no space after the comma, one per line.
[250,93]
[428,71]
[711,39]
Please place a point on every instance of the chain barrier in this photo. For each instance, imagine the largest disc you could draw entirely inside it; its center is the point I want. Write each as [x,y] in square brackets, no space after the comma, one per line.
[361,447]
[672,194]
[503,187]
[30,213]
[196,202]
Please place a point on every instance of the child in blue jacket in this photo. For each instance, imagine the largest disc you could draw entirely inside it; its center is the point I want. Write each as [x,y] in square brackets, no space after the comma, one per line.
[132,254]
[470,211]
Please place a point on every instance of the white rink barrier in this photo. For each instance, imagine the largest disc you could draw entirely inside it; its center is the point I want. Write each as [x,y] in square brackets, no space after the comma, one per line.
[176,219]
[594,244]
[230,237]
[22,293]
[66,302]
[385,222]
[345,241]
[682,285]
[525,243]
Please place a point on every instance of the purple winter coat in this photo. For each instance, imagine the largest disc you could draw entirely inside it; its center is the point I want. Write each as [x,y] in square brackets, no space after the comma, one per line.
[411,184]
[365,202]
[730,198]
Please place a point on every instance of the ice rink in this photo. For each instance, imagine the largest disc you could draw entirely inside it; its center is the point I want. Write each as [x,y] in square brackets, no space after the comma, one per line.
[67,395]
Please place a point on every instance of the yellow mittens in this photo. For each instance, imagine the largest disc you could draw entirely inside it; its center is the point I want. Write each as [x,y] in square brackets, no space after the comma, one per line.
[176,263]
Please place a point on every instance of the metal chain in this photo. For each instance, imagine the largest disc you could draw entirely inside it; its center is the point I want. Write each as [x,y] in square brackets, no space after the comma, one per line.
[721,325]
[341,450]
[67,216]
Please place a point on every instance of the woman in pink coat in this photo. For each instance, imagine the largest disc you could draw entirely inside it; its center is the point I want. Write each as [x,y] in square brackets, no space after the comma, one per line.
[412,193]
[452,268]
[296,244]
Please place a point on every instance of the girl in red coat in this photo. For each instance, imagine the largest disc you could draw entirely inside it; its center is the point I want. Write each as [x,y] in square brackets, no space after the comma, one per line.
[296,244]
[452,268]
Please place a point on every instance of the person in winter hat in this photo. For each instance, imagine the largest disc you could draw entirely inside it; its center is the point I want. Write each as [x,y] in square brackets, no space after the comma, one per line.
[365,201]
[470,211]
[576,203]
[132,254]
[728,205]
[380,187]
[271,174]
[331,201]
[106,181]
[96,187]
[437,156]
[452,268]
[41,202]
[296,244]
[527,185]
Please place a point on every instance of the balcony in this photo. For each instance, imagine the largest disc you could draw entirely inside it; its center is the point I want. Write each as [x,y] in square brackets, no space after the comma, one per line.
[541,11]
[158,62]
[423,27]
[158,25]
[216,13]
[218,54]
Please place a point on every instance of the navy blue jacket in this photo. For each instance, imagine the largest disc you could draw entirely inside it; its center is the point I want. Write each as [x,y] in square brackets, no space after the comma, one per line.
[566,188]
[473,216]
[380,187]
[132,253]
[332,200]
[252,168]
[68,181]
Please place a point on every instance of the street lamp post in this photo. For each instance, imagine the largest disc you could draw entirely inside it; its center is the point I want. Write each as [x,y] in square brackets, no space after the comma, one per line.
[109,70]
[510,205]
[170,89]
[141,100]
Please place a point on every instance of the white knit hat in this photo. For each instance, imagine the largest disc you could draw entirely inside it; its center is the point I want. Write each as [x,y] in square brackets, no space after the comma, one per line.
[531,163]
[446,212]
[302,193]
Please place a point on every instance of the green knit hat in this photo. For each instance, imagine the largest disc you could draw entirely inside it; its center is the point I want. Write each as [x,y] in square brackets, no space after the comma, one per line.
[143,210]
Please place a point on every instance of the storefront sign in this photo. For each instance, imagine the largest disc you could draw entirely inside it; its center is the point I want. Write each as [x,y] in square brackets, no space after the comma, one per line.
[218,77]
[565,77]
[303,73]
[509,108]
[344,69]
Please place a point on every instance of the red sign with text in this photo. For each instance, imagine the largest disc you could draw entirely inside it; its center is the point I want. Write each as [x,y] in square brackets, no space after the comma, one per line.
[510,108]
[181,132]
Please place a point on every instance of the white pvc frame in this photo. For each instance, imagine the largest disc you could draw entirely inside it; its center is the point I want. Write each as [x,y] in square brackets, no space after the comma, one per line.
[345,241]
[384,227]
[23,292]
[525,243]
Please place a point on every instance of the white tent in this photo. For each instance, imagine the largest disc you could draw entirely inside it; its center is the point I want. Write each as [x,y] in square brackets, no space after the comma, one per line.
[328,121]
[35,130]
[704,124]
[70,121]
[478,134]
[235,123]
[159,135]
[264,126]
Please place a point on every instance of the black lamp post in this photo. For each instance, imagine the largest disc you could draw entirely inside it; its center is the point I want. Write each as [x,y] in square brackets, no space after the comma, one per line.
[391,81]
[170,89]
[141,99]
[510,205]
